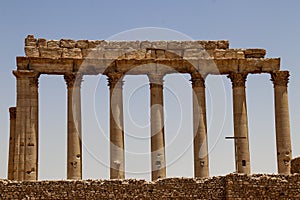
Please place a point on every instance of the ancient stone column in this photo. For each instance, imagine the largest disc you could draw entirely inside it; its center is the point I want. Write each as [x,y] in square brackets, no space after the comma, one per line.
[12,114]
[158,163]
[283,141]
[117,157]
[26,137]
[242,155]
[201,168]
[74,149]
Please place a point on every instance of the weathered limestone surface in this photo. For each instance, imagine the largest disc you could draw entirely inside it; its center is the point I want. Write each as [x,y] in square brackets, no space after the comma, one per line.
[232,186]
[201,167]
[117,156]
[282,120]
[158,161]
[241,138]
[295,165]
[210,57]
[12,142]
[74,149]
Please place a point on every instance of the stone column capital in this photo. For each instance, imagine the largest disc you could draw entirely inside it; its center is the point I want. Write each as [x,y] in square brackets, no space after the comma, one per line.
[28,74]
[198,80]
[25,74]
[12,112]
[73,79]
[280,78]
[238,79]
[156,79]
[114,78]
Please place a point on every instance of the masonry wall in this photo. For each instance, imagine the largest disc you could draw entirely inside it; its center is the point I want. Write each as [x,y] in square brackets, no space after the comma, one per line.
[232,186]
[295,165]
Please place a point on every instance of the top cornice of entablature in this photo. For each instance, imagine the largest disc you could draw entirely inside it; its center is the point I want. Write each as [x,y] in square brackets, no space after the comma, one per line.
[103,49]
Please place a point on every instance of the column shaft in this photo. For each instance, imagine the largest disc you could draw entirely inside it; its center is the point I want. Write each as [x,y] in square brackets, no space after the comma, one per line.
[158,163]
[74,149]
[242,154]
[117,157]
[283,140]
[201,167]
[12,112]
[26,137]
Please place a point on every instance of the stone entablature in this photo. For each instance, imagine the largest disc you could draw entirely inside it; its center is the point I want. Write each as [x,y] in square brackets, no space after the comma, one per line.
[96,56]
[67,48]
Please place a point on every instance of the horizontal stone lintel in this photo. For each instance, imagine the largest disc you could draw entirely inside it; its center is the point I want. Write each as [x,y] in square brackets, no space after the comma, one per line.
[144,66]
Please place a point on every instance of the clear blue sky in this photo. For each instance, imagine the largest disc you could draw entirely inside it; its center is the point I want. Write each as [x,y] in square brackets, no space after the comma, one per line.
[273,25]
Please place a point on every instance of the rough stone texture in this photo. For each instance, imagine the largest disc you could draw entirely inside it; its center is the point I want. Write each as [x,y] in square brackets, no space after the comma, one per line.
[232,186]
[295,165]
[115,49]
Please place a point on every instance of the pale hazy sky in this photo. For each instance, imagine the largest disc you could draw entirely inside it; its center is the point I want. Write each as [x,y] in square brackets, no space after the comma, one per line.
[273,25]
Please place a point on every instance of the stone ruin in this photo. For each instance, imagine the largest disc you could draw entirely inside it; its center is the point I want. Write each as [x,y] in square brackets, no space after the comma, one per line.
[116,59]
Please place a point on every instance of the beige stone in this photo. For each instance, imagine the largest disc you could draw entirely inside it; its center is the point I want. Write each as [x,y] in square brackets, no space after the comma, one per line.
[50,52]
[30,41]
[31,51]
[255,53]
[67,43]
[71,53]
[82,44]
[53,43]
[42,42]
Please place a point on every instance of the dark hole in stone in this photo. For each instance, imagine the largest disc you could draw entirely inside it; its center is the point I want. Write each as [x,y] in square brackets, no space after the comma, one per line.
[159,177]
[78,156]
[151,190]
[243,162]
[281,193]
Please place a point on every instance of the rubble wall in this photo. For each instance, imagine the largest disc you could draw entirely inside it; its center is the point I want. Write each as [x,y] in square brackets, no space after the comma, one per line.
[232,186]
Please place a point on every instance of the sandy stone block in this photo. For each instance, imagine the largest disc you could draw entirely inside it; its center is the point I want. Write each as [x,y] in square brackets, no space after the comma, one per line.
[255,53]
[195,54]
[123,45]
[240,54]
[159,45]
[159,53]
[174,53]
[30,41]
[53,43]
[141,54]
[31,51]
[50,52]
[42,42]
[67,43]
[191,45]
[219,53]
[113,53]
[145,44]
[210,45]
[97,43]
[230,54]
[270,64]
[93,53]
[174,45]
[150,53]
[223,44]
[82,44]
[71,53]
